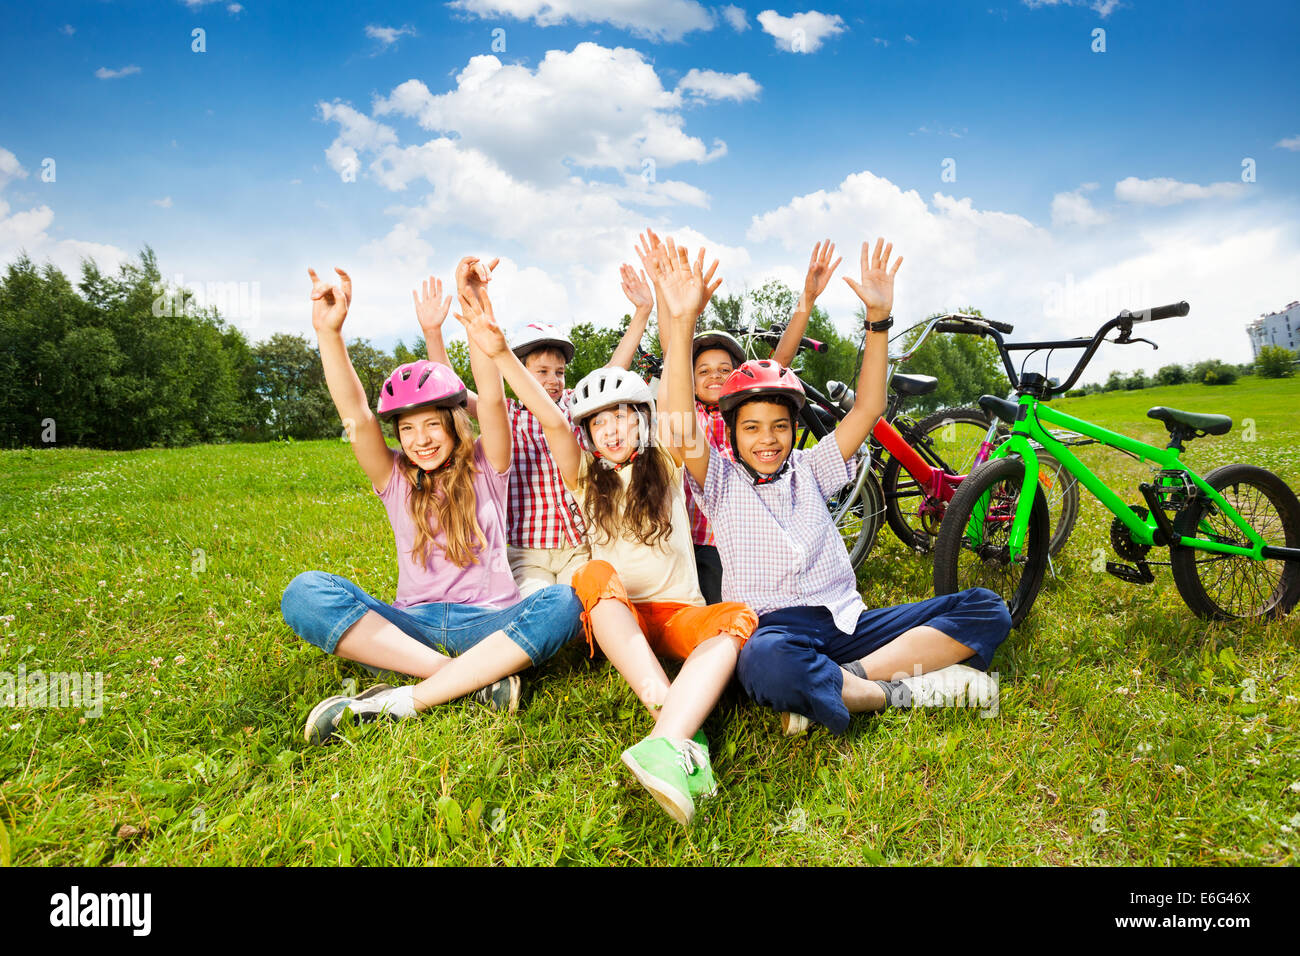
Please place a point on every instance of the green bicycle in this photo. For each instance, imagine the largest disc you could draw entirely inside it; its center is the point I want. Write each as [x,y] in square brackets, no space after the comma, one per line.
[1233,536]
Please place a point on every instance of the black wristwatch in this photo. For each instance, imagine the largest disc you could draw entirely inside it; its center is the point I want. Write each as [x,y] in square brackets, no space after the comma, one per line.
[883,326]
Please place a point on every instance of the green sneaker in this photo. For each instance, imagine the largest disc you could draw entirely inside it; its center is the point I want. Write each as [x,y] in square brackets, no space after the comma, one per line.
[701,782]
[663,770]
[502,694]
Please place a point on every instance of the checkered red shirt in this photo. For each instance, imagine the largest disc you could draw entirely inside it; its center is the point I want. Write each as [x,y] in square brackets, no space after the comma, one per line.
[711,424]
[541,512]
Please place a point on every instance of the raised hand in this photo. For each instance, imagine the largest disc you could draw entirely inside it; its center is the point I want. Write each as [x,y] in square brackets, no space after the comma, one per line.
[636,288]
[329,303]
[474,274]
[481,323]
[876,290]
[820,269]
[682,288]
[430,307]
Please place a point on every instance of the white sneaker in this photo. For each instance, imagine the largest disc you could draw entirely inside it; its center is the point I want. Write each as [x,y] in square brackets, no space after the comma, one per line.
[792,724]
[954,686]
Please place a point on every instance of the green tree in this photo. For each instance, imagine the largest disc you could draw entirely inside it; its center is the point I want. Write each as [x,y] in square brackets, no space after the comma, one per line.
[1274,361]
[1171,375]
[1138,380]
[291,382]
[967,366]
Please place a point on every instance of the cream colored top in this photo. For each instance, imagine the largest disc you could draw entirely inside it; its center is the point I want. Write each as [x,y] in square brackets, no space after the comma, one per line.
[664,571]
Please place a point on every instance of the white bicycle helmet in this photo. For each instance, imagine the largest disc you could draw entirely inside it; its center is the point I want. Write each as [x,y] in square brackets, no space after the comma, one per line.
[537,336]
[609,387]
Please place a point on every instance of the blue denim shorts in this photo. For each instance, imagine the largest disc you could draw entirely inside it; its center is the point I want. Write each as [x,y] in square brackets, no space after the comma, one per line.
[320,608]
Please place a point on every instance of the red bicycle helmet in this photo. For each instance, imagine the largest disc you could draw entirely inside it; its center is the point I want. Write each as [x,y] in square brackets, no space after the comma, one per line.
[761,378]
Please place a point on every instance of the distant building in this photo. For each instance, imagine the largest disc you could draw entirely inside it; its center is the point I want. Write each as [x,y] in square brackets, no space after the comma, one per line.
[1276,328]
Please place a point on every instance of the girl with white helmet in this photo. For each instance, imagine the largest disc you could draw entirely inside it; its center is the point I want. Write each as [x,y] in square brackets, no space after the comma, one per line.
[457,620]
[640,595]
[546,536]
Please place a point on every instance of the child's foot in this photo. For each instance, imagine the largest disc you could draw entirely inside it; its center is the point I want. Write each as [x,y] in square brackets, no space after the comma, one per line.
[792,724]
[323,721]
[665,768]
[702,784]
[502,695]
[954,686]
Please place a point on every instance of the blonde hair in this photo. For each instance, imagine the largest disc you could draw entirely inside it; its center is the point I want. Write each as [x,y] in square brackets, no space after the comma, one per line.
[439,502]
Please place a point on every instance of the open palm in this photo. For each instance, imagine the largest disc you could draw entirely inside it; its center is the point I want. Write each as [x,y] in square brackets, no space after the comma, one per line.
[876,287]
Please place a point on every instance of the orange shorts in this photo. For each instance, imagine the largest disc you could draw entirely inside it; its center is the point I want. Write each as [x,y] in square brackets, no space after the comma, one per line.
[671,629]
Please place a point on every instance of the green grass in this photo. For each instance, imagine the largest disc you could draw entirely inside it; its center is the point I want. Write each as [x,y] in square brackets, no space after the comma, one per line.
[1127,732]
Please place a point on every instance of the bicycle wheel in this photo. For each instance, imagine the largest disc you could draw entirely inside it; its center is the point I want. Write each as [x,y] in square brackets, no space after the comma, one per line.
[859,523]
[1230,586]
[958,564]
[948,439]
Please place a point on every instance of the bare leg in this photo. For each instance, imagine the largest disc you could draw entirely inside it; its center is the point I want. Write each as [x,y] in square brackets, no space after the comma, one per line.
[861,696]
[917,650]
[619,636]
[377,641]
[494,657]
[698,686]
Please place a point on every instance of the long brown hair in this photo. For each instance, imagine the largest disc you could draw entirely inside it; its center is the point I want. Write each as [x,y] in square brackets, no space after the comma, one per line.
[646,514]
[445,499]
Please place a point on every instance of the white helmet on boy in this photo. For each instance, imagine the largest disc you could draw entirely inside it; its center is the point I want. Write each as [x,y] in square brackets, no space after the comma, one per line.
[610,387]
[537,336]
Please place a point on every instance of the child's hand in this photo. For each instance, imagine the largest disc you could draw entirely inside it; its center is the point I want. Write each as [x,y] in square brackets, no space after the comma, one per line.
[329,303]
[481,324]
[473,274]
[430,307]
[682,288]
[636,288]
[876,290]
[820,269]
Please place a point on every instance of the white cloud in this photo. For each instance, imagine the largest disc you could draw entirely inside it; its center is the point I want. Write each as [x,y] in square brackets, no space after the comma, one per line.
[652,19]
[1103,8]
[67,29]
[1163,191]
[387,36]
[801,32]
[593,108]
[1075,209]
[235,8]
[1291,142]
[909,38]
[736,17]
[164,203]
[10,168]
[720,86]
[104,73]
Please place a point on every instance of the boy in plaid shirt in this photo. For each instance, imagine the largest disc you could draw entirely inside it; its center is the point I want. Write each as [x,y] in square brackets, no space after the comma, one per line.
[546,539]
[818,653]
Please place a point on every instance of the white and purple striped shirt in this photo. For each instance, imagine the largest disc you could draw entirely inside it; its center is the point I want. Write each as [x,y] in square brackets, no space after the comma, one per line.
[778,544]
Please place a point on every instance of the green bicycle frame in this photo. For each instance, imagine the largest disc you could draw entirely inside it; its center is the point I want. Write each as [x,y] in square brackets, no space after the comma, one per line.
[1029,428]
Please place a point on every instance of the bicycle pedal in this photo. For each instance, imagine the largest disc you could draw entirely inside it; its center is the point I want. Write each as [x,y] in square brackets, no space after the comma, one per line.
[1126,572]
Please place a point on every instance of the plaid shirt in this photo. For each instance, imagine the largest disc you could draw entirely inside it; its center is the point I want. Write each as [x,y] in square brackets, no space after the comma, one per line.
[715,430]
[541,512]
[778,544]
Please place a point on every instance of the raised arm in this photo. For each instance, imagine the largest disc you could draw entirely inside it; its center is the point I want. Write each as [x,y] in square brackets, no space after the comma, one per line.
[681,289]
[876,290]
[638,293]
[487,341]
[431,311]
[820,269]
[329,307]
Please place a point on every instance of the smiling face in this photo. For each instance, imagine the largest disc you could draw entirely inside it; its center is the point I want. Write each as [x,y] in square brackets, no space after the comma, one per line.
[426,437]
[764,434]
[547,366]
[615,433]
[712,368]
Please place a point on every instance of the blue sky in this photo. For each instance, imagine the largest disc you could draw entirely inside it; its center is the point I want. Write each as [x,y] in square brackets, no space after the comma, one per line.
[392,142]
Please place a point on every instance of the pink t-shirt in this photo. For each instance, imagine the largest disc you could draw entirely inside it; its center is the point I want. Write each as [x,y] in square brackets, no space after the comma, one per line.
[486,582]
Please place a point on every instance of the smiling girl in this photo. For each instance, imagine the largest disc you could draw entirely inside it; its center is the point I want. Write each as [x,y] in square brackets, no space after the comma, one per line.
[457,621]
[639,594]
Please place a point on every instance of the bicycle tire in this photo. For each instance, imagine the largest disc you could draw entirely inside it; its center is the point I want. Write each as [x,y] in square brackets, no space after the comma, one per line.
[899,486]
[1192,567]
[860,523]
[1001,480]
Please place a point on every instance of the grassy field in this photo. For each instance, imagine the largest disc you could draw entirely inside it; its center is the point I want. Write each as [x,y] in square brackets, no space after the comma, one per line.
[1129,732]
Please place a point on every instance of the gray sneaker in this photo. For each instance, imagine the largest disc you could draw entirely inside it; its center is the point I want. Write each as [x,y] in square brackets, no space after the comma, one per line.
[324,719]
[502,695]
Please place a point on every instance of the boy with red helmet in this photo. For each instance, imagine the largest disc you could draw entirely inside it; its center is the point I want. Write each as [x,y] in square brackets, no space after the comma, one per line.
[818,653]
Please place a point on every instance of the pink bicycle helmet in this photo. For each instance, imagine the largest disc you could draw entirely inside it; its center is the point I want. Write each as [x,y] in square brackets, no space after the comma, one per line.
[420,384]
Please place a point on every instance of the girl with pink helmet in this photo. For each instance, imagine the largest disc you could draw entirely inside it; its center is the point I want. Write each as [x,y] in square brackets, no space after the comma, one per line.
[457,621]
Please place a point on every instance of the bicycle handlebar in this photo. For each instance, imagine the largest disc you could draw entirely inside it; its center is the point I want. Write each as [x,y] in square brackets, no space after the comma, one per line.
[1157,313]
